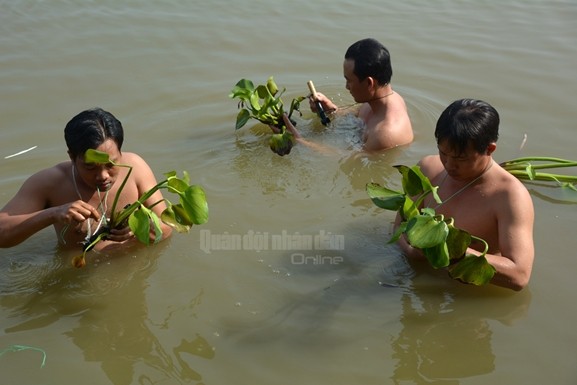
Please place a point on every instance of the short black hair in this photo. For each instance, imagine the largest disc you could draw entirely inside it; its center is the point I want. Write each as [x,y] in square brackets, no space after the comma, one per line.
[468,121]
[89,129]
[371,59]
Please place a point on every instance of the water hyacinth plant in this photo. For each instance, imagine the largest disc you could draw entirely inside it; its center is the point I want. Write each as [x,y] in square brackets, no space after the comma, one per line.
[192,209]
[264,104]
[443,244]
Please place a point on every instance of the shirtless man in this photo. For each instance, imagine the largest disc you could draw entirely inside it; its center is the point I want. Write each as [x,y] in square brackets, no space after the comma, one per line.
[367,71]
[482,197]
[71,195]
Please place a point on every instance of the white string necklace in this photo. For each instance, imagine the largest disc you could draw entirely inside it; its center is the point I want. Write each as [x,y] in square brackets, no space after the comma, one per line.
[464,187]
[102,206]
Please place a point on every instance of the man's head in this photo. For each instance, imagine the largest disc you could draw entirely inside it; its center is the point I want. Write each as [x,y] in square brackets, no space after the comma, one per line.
[468,122]
[91,128]
[367,69]
[99,130]
[370,58]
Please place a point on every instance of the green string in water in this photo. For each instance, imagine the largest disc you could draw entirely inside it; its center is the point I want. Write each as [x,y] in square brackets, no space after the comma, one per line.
[17,348]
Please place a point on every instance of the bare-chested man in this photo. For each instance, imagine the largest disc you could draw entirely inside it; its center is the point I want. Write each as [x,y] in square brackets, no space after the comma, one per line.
[367,70]
[72,195]
[482,197]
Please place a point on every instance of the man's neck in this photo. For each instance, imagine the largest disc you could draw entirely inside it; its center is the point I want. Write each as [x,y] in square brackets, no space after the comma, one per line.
[381,97]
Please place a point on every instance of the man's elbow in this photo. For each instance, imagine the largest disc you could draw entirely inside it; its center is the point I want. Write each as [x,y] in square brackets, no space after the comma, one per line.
[516,282]
[6,240]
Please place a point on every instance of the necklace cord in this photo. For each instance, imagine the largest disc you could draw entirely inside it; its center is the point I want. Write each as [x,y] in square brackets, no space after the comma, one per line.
[102,206]
[464,187]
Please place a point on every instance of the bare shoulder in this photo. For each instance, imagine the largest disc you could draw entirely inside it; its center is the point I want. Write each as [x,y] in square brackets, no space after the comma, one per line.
[40,189]
[431,166]
[141,171]
[512,189]
[133,159]
[50,177]
[139,166]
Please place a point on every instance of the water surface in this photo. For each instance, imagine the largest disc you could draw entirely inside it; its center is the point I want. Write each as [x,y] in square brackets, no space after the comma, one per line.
[269,310]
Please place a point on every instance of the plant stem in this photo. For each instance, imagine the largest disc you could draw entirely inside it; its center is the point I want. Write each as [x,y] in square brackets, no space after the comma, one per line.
[117,196]
[484,242]
[124,214]
[544,176]
[522,166]
[538,159]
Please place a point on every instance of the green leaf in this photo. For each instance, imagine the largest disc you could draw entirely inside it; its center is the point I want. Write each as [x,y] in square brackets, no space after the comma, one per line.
[412,184]
[157,226]
[139,223]
[176,217]
[95,156]
[424,231]
[281,144]
[194,203]
[272,87]
[472,269]
[398,232]
[255,103]
[242,118]
[428,211]
[295,105]
[385,198]
[458,241]
[409,209]
[438,256]
[243,89]
[177,185]
[416,183]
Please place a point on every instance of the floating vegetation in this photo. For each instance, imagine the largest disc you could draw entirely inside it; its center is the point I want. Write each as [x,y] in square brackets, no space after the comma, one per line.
[264,104]
[18,348]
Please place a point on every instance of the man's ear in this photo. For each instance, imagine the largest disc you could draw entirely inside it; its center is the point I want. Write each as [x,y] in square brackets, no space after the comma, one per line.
[372,83]
[491,148]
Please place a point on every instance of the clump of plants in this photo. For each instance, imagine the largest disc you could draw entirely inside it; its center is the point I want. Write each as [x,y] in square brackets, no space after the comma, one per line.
[264,104]
[531,169]
[443,244]
[192,209]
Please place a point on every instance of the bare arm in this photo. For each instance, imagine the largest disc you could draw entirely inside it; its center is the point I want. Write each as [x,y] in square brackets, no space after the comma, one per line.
[327,104]
[298,137]
[515,226]
[29,210]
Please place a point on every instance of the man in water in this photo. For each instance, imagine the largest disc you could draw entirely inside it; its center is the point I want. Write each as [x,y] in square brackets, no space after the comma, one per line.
[483,198]
[74,195]
[367,70]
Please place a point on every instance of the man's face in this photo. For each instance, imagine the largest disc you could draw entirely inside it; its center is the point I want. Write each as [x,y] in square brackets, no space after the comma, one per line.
[462,166]
[100,176]
[357,88]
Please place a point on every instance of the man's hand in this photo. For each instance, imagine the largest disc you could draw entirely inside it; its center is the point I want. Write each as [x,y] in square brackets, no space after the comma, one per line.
[120,235]
[327,104]
[76,212]
[289,126]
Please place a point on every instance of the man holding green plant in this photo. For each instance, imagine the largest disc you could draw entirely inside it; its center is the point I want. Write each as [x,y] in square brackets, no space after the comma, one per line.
[482,197]
[77,196]
[367,70]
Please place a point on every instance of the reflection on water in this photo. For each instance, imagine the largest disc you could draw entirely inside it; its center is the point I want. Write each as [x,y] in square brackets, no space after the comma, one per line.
[176,314]
[446,334]
[112,327]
